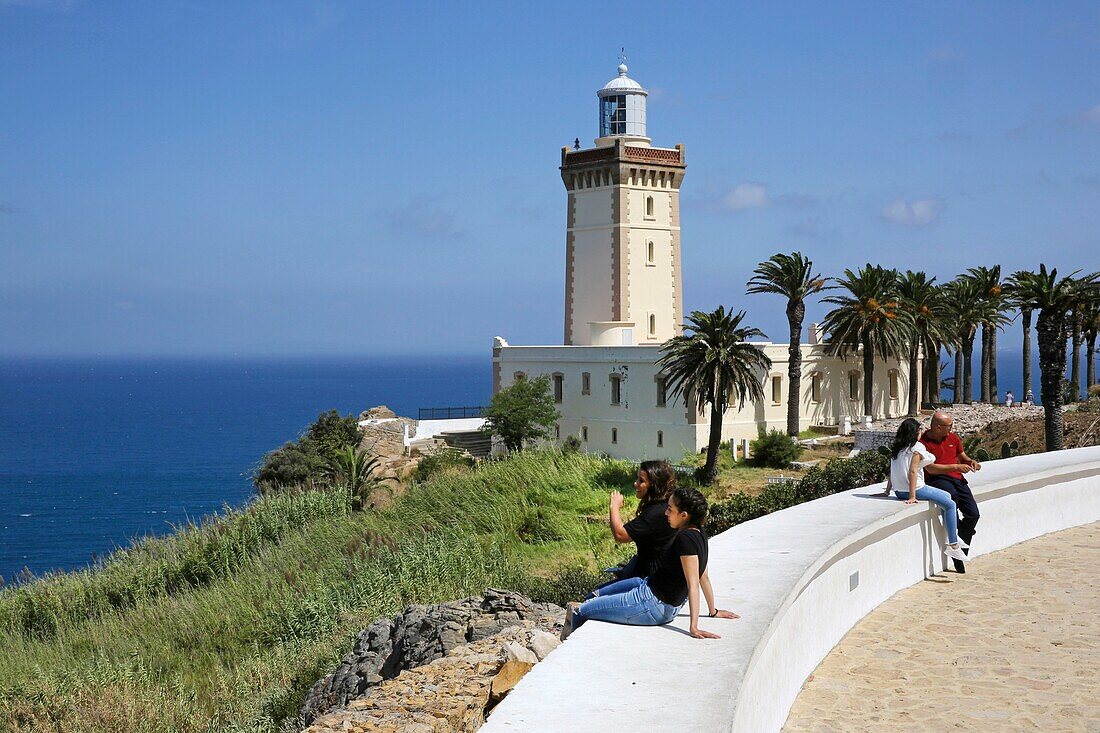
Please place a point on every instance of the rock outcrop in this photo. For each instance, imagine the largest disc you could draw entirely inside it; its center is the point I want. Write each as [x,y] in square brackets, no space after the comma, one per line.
[423,634]
[452,694]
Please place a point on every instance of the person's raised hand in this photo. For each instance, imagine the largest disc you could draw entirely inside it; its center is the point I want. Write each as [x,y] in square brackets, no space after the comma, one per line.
[616,500]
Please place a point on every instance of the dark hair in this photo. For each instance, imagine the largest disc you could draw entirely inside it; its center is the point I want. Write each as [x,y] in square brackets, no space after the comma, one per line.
[662,482]
[691,501]
[906,436]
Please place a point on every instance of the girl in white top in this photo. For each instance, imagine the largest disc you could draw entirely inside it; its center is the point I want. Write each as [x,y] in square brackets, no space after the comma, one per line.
[908,457]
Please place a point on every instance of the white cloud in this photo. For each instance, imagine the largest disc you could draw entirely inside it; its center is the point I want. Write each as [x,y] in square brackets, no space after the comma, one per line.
[913,213]
[747,196]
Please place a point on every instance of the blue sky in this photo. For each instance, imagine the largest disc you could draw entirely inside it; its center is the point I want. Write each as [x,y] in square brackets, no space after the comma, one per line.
[306,178]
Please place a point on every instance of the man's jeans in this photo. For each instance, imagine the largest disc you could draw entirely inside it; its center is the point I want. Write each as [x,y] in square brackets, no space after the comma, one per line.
[629,602]
[964,501]
[947,507]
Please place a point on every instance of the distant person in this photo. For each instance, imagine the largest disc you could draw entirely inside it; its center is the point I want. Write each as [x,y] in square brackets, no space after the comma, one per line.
[649,530]
[1009,399]
[906,480]
[679,574]
[947,474]
[1029,398]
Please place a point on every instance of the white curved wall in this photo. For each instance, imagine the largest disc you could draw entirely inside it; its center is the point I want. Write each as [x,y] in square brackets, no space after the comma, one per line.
[789,575]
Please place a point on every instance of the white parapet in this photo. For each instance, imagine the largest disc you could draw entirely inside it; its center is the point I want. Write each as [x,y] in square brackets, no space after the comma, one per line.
[800,578]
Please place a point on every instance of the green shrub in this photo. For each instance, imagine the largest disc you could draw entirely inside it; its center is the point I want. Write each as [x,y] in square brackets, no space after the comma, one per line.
[306,460]
[841,474]
[522,413]
[774,449]
[572,444]
[568,583]
[446,459]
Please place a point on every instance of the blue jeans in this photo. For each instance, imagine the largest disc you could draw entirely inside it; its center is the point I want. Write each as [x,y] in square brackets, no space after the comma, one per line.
[628,601]
[947,508]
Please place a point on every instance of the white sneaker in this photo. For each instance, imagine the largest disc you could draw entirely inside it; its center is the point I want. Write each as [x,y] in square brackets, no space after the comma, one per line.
[963,544]
[955,553]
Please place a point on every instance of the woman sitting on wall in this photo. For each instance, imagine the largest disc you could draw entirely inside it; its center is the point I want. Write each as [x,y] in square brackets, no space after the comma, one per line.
[680,571]
[649,529]
[908,457]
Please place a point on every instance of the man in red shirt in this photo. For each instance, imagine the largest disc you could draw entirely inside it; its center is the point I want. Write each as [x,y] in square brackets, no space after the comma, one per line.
[947,474]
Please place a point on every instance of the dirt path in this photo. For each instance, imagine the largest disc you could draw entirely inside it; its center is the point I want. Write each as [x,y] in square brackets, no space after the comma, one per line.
[1012,645]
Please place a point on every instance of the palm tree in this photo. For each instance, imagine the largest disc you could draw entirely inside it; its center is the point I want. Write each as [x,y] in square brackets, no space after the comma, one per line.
[1092,330]
[354,469]
[1077,328]
[988,281]
[921,297]
[964,303]
[714,364]
[1054,298]
[790,276]
[1025,318]
[867,317]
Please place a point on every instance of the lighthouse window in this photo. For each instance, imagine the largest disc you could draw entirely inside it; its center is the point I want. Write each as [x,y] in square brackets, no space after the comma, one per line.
[613,115]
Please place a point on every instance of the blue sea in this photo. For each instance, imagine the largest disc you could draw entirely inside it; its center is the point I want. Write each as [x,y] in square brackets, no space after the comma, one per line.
[96,452]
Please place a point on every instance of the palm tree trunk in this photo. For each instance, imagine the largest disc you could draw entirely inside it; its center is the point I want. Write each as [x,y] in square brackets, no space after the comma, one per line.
[1051,329]
[1075,367]
[968,369]
[914,405]
[985,362]
[993,365]
[868,377]
[957,392]
[710,469]
[1026,318]
[796,311]
[1090,362]
[934,375]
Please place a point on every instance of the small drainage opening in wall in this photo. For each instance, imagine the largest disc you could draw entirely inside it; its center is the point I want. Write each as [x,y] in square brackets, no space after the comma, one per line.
[853,581]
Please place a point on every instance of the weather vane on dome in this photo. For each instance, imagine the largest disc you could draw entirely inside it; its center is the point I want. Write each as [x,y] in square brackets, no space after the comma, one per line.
[622,55]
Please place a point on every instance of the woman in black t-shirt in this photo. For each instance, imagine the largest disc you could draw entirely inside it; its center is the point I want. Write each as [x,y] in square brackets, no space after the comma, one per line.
[649,529]
[680,572]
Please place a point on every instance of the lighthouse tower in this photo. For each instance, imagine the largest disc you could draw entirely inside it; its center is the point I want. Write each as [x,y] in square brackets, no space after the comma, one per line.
[623,283]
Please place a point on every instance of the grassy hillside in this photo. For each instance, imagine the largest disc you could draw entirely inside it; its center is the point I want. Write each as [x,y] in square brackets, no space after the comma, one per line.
[223,626]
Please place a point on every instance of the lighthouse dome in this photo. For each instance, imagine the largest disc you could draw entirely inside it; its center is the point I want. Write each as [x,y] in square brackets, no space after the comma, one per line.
[622,109]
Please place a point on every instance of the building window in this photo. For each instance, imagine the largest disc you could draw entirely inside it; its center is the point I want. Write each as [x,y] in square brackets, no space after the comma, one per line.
[777,390]
[586,383]
[894,384]
[652,325]
[649,207]
[614,436]
[613,115]
[616,389]
[815,387]
[853,385]
[650,253]
[660,439]
[662,391]
[518,376]
[559,387]
[584,433]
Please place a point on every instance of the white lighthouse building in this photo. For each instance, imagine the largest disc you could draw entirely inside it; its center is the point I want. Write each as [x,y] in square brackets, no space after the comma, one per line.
[624,298]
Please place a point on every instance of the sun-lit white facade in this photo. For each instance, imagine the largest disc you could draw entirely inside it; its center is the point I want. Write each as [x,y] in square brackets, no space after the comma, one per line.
[624,298]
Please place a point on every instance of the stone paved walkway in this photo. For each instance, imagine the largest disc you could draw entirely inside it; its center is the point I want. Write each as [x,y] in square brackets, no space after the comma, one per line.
[1012,645]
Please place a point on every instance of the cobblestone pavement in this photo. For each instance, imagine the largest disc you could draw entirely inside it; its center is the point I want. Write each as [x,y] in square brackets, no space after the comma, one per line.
[1012,645]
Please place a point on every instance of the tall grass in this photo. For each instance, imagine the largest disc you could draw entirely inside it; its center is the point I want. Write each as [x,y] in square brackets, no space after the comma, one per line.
[226,624]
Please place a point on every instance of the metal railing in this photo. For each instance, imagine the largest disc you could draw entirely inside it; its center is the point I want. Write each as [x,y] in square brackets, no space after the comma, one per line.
[448,413]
